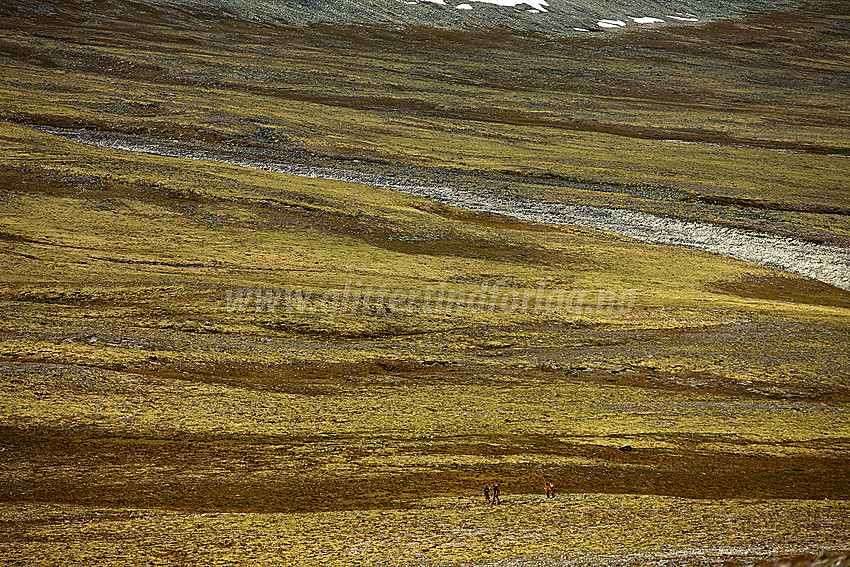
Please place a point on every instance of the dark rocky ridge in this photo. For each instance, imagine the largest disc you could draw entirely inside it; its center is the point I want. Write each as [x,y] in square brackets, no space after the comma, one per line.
[560,17]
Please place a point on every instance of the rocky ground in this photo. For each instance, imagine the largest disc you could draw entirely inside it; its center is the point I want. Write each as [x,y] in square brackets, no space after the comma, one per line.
[548,17]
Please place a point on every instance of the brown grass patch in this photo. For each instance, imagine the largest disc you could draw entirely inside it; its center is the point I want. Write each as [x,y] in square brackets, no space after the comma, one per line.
[786,289]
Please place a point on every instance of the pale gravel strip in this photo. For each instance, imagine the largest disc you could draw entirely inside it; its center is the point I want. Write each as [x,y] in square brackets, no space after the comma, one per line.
[828,264]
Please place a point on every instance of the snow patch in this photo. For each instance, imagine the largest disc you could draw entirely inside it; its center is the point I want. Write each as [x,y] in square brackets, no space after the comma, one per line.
[539,5]
[440,2]
[610,23]
[463,7]
[684,17]
[647,20]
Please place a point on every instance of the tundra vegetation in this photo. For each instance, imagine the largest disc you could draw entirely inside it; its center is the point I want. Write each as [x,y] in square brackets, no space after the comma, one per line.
[206,364]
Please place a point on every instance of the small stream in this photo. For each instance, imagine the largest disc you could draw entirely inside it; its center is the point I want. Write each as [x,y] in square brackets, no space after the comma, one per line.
[828,264]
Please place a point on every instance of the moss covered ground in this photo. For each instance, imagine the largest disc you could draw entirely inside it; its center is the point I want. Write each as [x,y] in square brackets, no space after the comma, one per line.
[204,364]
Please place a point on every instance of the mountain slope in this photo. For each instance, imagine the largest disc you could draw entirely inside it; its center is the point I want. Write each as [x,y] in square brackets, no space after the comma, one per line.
[549,17]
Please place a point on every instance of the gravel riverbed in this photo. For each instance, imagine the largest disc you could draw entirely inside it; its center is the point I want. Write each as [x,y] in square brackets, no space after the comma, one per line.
[828,264]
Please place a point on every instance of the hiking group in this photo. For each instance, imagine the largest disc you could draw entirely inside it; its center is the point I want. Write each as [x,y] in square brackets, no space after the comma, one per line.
[491,493]
[494,490]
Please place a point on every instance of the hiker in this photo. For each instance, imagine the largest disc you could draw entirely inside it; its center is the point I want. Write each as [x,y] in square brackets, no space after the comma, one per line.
[496,499]
[551,490]
[487,493]
[548,490]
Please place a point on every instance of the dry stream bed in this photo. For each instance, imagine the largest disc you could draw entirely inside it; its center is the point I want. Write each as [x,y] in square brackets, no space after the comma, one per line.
[829,264]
